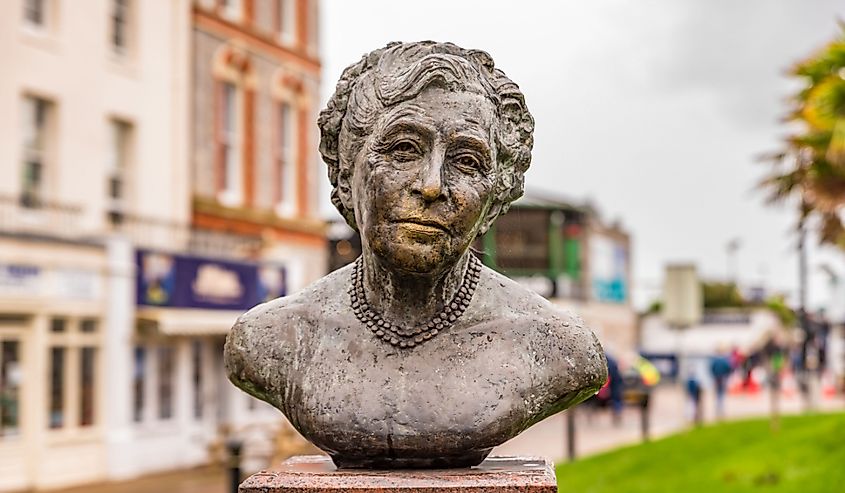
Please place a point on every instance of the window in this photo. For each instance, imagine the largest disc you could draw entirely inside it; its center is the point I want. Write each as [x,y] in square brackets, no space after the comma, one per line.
[138,383]
[35,149]
[154,383]
[87,358]
[232,8]
[230,144]
[286,21]
[196,377]
[285,159]
[34,12]
[88,325]
[165,382]
[313,24]
[118,163]
[10,379]
[58,325]
[72,373]
[120,25]
[57,387]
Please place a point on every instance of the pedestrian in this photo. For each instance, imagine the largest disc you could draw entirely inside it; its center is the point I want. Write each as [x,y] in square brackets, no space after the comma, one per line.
[693,388]
[616,385]
[720,370]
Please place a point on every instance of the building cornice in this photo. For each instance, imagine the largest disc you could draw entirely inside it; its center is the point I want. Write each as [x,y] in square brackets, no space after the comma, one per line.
[210,21]
[209,214]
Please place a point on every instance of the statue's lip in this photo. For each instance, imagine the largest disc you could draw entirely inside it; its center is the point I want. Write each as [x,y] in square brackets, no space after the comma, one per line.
[424,222]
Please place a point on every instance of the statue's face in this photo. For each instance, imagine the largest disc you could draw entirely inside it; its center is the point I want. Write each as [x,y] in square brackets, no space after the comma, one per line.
[424,179]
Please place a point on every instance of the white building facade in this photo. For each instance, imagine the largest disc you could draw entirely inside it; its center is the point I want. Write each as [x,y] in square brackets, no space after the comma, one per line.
[92,113]
[104,372]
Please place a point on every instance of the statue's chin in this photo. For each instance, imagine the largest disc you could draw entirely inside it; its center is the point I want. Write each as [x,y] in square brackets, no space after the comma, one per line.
[422,259]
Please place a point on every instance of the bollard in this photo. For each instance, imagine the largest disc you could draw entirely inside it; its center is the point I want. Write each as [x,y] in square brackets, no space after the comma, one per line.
[645,416]
[234,447]
[570,434]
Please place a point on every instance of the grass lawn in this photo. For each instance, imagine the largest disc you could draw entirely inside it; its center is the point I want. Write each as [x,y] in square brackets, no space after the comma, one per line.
[807,455]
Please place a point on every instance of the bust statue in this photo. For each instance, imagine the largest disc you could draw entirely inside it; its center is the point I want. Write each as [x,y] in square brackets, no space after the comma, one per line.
[417,355]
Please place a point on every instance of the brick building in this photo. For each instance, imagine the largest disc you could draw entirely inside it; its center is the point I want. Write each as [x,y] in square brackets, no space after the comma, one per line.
[255,103]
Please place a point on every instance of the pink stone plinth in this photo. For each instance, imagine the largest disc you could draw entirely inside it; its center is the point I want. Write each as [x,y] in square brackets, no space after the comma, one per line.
[317,474]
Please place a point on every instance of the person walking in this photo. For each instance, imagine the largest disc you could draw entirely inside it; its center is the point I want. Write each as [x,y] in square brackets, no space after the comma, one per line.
[616,386]
[693,388]
[720,370]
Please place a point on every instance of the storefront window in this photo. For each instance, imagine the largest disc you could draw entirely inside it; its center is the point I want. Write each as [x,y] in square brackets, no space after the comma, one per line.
[86,408]
[10,377]
[138,382]
[57,387]
[165,382]
[72,372]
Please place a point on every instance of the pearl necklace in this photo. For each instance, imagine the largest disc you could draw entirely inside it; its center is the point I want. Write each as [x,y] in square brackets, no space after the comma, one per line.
[408,338]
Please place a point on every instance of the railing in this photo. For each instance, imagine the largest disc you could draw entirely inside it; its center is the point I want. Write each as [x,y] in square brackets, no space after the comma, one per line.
[22,216]
[149,232]
[158,234]
[61,221]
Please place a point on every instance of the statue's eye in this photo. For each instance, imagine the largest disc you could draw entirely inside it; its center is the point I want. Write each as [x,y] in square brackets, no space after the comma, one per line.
[405,147]
[468,162]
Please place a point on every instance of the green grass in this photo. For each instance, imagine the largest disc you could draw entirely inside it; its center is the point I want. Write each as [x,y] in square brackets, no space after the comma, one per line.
[807,455]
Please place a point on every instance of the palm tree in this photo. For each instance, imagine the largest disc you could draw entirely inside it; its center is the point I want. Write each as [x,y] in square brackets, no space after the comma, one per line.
[811,166]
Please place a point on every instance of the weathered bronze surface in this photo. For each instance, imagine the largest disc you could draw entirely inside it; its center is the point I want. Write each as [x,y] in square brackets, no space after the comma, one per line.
[416,356]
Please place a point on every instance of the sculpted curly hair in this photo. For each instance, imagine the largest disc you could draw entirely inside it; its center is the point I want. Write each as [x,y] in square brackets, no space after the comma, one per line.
[399,72]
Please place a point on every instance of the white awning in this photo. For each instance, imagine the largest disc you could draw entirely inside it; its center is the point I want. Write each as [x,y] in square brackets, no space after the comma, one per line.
[189,321]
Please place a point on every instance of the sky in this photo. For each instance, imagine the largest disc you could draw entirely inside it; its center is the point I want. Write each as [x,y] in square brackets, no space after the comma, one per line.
[653,110]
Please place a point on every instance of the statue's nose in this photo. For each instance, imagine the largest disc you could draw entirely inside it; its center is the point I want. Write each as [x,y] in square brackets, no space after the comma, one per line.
[429,182]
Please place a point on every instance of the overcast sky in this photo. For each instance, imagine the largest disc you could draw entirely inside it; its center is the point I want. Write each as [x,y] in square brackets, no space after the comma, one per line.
[652,109]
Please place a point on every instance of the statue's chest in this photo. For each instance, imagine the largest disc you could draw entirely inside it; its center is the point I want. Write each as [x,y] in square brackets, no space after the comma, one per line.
[409,398]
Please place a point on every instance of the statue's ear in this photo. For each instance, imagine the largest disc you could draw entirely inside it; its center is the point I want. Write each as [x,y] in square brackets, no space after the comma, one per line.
[342,197]
[344,189]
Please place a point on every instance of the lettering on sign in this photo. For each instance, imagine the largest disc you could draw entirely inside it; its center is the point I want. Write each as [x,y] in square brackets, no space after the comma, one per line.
[216,283]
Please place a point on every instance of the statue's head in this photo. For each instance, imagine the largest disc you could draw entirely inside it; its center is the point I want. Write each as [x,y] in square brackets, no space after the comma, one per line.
[426,144]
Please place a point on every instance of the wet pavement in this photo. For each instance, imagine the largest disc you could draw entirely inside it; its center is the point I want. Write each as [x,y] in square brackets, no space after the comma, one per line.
[199,480]
[595,432]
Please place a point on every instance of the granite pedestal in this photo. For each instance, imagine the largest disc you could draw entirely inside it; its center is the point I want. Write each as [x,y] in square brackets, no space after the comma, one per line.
[317,474]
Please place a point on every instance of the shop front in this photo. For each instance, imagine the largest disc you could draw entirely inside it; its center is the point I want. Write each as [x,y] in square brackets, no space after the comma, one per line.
[181,405]
[52,324]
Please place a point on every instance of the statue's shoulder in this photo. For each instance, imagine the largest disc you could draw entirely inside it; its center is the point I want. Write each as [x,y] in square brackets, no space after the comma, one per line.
[273,330]
[560,338]
[309,303]
[507,297]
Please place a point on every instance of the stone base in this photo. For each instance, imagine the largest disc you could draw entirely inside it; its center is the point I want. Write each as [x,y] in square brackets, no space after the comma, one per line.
[317,474]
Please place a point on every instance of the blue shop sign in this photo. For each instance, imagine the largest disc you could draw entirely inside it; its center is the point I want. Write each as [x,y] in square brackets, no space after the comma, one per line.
[184,281]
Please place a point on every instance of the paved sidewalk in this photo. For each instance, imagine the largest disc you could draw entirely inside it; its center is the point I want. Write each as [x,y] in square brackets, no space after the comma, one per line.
[595,433]
[200,480]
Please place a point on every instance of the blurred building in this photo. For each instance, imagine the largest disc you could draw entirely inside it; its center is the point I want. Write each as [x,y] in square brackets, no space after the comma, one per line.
[564,251]
[158,179]
[561,250]
[718,331]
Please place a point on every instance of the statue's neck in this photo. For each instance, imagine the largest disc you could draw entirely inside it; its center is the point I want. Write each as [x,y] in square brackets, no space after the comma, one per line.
[410,299]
